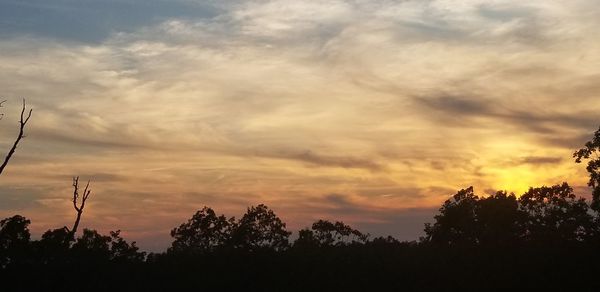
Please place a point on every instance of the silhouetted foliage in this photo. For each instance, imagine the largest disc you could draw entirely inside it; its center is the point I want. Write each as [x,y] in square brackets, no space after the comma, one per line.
[122,251]
[204,232]
[259,229]
[92,245]
[591,152]
[499,219]
[55,243]
[387,240]
[555,215]
[327,234]
[456,223]
[550,215]
[14,239]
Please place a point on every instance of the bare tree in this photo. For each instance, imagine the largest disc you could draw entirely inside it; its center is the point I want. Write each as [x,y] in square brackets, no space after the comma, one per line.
[22,124]
[79,201]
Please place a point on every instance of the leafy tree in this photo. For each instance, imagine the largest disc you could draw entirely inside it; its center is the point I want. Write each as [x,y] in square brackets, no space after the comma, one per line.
[556,214]
[324,233]
[306,239]
[499,219]
[92,245]
[54,245]
[456,223]
[382,241]
[591,152]
[204,232]
[122,251]
[14,239]
[260,229]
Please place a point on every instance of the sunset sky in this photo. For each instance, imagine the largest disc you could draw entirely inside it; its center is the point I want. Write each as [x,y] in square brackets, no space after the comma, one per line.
[370,112]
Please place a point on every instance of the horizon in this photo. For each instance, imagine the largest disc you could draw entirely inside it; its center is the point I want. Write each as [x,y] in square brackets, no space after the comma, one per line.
[369,112]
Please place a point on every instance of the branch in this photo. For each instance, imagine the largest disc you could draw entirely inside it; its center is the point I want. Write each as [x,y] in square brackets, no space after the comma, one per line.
[79,205]
[2,105]
[75,192]
[22,123]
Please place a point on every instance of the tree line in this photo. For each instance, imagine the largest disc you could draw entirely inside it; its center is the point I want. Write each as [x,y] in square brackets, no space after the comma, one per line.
[546,238]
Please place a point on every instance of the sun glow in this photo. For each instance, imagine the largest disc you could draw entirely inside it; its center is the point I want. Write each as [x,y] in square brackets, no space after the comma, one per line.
[516,179]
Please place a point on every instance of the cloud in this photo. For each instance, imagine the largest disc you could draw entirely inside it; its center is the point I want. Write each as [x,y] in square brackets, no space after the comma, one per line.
[346,162]
[17,199]
[471,111]
[91,22]
[540,160]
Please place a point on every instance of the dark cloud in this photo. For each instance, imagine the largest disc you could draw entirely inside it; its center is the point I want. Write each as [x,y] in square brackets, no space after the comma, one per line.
[338,161]
[568,141]
[457,106]
[463,111]
[395,191]
[540,160]
[85,141]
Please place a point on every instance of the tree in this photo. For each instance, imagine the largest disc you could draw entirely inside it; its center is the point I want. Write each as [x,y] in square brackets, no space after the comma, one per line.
[79,202]
[260,229]
[591,151]
[22,123]
[14,239]
[499,219]
[122,251]
[555,214]
[306,239]
[54,245]
[467,219]
[92,245]
[324,233]
[455,225]
[387,241]
[204,232]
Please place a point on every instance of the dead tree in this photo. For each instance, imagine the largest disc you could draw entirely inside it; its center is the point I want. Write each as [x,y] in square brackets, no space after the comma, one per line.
[79,202]
[22,124]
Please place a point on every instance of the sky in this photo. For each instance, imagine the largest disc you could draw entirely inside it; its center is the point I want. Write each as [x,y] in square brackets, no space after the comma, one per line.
[369,112]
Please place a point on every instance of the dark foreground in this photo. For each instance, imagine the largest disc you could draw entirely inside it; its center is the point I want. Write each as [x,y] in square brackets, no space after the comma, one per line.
[375,267]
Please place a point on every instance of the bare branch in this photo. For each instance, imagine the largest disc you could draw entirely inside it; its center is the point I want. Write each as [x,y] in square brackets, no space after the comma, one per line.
[78,204]
[22,123]
[75,192]
[2,105]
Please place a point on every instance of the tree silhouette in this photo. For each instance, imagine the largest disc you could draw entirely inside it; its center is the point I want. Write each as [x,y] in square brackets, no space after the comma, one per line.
[499,221]
[79,202]
[591,152]
[54,245]
[122,251]
[324,233]
[555,214]
[14,239]
[260,229]
[92,245]
[22,123]
[551,215]
[456,223]
[204,232]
